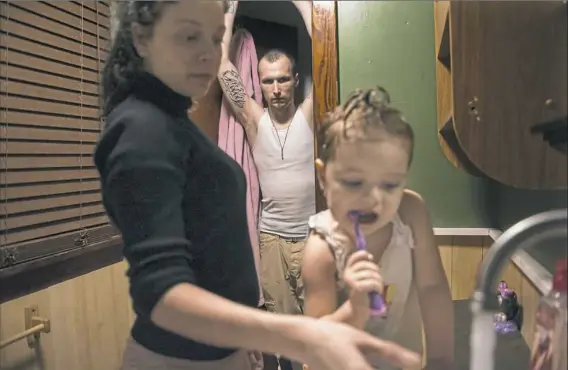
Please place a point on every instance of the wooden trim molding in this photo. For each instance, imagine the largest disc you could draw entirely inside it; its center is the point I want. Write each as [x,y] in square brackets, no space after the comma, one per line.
[463,231]
[325,72]
[24,279]
[539,276]
[534,271]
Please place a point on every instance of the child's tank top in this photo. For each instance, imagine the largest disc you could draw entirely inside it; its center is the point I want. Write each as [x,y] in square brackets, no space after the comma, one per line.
[403,323]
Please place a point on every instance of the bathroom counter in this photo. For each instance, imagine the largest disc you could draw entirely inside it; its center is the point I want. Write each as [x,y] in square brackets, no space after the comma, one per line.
[512,351]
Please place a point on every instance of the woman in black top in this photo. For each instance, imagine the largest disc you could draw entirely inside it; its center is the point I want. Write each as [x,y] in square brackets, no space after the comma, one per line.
[179,202]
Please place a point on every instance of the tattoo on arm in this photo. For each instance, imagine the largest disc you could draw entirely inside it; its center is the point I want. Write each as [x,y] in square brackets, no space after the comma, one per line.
[234,87]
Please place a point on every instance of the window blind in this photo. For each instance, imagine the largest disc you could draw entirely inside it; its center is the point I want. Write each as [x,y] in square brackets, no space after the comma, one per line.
[51,55]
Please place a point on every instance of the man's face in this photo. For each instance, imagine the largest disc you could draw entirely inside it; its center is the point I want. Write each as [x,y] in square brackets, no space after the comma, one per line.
[278,82]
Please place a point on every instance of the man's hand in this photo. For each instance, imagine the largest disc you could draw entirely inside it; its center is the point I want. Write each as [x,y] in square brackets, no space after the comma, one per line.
[232,6]
[303,5]
[305,9]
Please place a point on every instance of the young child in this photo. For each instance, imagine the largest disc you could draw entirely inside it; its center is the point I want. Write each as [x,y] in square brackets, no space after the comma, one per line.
[367,151]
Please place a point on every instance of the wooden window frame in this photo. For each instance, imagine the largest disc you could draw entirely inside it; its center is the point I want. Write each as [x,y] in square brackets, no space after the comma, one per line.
[57,266]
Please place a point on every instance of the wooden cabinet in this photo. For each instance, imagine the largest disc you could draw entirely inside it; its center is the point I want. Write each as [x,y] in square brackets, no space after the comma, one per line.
[501,69]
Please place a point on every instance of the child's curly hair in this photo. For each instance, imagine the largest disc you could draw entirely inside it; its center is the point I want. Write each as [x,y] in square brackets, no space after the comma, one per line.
[363,109]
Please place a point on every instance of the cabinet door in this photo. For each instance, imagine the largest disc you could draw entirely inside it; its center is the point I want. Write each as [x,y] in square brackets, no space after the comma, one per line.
[510,74]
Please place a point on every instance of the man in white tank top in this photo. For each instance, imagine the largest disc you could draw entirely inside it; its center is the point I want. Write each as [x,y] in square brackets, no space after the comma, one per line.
[282,141]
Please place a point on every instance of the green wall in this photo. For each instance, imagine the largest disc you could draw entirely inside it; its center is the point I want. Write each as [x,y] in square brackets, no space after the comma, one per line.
[391,43]
[513,205]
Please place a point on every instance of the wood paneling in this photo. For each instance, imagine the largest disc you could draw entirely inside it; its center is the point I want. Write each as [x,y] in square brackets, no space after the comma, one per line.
[461,256]
[90,318]
[528,297]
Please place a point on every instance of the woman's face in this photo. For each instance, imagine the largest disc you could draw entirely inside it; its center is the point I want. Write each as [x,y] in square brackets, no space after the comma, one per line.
[184,49]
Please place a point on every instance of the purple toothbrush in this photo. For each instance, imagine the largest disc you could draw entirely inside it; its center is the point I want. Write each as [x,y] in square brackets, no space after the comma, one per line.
[378,306]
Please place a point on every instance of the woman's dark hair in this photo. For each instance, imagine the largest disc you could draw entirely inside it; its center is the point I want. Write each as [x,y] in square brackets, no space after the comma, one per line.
[123,63]
[363,109]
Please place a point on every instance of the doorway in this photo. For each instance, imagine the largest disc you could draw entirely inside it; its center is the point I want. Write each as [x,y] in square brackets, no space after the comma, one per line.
[273,24]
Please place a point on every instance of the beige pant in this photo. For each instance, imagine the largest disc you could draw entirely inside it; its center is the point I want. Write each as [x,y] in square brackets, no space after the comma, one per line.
[137,357]
[280,273]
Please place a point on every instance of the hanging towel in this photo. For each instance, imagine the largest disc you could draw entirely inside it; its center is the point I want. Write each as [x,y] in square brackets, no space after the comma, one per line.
[232,138]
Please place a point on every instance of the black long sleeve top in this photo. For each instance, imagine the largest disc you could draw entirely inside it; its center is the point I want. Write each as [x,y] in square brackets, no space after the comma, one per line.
[180,203]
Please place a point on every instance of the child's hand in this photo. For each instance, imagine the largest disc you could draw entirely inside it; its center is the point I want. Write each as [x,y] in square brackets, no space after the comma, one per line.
[363,277]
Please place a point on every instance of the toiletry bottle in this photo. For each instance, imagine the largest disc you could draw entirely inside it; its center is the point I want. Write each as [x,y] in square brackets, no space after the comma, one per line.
[549,347]
[560,339]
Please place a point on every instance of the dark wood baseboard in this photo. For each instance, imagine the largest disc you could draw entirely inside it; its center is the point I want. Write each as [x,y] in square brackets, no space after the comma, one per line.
[24,279]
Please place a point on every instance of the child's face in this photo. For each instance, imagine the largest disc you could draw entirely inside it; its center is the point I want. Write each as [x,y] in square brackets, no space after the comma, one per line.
[368,176]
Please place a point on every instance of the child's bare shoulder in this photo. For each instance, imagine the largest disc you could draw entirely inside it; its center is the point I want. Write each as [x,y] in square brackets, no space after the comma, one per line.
[412,208]
[318,257]
[318,250]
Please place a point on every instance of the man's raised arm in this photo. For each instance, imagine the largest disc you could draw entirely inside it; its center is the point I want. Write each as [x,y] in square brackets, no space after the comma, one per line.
[247,111]
[305,9]
[307,106]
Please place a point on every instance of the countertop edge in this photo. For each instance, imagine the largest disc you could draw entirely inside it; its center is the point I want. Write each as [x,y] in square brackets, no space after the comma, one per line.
[463,231]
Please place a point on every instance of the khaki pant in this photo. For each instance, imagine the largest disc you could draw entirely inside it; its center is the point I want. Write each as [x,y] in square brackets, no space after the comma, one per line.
[280,275]
[137,357]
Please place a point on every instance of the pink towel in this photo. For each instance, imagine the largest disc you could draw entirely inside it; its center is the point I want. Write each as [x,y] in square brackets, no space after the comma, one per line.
[232,138]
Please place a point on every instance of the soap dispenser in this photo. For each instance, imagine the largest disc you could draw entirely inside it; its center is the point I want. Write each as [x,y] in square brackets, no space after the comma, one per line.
[549,350]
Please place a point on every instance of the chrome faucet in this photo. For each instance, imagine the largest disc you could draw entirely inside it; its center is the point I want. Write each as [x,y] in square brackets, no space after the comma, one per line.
[484,304]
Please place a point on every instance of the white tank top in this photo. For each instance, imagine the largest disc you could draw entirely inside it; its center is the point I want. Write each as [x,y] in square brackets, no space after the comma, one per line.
[403,323]
[287,185]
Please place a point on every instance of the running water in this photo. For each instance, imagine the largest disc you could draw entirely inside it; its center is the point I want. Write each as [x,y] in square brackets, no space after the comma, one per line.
[483,342]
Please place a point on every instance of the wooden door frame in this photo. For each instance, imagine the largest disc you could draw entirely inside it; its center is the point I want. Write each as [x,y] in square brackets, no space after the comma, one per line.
[325,72]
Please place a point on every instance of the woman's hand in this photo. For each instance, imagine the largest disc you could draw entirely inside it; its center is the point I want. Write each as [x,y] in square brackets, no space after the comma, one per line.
[336,346]
[362,276]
